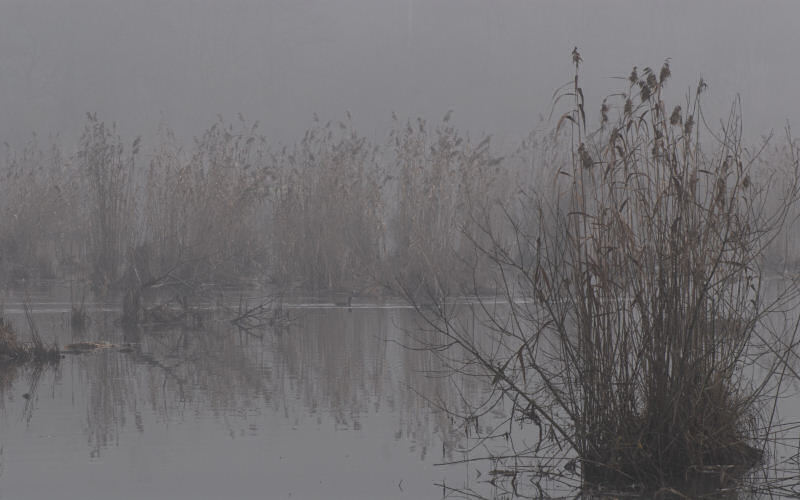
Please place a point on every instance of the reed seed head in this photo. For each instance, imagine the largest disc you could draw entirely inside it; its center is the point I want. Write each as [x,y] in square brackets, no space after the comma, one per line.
[651,79]
[665,72]
[586,158]
[576,57]
[645,92]
[675,118]
[634,76]
[701,86]
[604,112]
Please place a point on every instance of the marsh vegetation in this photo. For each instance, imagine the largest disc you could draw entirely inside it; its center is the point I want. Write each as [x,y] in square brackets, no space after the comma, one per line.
[14,351]
[629,328]
[618,269]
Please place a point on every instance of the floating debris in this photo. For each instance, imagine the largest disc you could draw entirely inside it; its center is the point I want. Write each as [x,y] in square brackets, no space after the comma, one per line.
[82,347]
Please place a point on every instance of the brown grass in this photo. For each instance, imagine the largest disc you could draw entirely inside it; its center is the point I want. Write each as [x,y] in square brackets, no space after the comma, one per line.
[334,212]
[641,261]
[639,248]
[14,351]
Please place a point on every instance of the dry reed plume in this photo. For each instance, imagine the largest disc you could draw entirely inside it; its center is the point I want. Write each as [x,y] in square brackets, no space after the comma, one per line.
[641,263]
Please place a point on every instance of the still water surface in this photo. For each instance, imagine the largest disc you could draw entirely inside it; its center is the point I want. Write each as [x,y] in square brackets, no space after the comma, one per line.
[329,407]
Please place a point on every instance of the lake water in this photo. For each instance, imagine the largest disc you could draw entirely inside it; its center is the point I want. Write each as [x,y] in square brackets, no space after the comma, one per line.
[331,406]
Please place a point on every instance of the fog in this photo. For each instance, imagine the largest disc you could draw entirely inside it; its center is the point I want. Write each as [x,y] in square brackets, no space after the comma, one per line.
[496,64]
[423,272]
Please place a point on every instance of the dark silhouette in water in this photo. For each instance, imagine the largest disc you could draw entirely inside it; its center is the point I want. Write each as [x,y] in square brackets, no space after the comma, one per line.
[345,303]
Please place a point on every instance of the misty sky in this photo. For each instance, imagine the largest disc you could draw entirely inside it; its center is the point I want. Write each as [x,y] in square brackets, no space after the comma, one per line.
[495,63]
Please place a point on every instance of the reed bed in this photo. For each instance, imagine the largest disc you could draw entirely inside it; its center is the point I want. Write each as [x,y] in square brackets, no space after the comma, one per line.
[640,247]
[642,262]
[335,212]
[328,220]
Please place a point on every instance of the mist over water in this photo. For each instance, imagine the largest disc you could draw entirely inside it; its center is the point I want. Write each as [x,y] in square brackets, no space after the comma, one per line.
[496,64]
[321,409]
[249,301]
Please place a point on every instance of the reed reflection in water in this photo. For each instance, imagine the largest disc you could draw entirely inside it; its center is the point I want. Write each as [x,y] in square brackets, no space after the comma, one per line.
[332,406]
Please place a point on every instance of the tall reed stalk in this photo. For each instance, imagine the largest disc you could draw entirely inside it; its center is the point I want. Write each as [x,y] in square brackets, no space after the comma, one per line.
[109,182]
[643,273]
[328,226]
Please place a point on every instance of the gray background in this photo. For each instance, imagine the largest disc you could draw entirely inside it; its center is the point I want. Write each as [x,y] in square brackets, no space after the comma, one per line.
[495,63]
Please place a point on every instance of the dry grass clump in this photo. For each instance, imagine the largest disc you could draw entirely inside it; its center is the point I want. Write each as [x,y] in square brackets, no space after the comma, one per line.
[38,224]
[335,212]
[8,340]
[662,249]
[205,215]
[328,227]
[646,309]
[68,217]
[108,180]
[35,351]
[443,180]
[203,221]
[200,214]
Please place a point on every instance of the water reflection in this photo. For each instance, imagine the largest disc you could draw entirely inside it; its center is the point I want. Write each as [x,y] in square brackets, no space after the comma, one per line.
[220,412]
[339,375]
[349,365]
